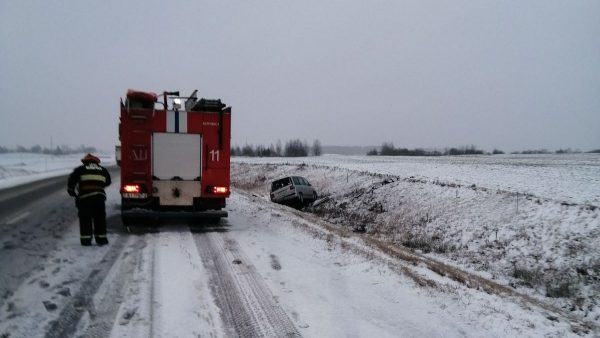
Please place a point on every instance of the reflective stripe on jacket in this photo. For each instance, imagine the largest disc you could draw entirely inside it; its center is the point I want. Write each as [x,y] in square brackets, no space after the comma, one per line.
[90,180]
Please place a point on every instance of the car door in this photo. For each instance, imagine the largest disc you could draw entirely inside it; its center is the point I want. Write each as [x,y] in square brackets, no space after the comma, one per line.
[297,187]
[308,188]
[282,189]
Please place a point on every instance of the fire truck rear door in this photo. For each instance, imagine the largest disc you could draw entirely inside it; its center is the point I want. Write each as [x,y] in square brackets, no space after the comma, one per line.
[176,166]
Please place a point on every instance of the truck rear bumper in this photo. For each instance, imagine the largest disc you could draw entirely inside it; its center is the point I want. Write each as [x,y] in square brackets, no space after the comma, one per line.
[152,214]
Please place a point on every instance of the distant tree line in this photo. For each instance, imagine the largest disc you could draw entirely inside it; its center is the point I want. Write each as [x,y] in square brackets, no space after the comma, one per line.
[388,149]
[58,150]
[545,151]
[292,148]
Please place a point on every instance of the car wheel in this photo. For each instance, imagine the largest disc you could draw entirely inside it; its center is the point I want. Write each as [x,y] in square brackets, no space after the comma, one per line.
[314,196]
[300,198]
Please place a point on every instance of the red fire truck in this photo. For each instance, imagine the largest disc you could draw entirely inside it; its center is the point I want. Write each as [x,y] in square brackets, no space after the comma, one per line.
[174,156]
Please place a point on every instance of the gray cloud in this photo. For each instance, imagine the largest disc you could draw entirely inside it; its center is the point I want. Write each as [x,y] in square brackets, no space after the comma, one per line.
[511,75]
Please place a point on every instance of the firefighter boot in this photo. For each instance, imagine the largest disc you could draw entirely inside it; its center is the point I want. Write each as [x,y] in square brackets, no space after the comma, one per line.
[86,240]
[101,240]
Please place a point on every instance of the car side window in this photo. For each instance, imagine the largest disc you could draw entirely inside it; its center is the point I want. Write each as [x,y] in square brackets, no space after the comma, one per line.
[303,181]
[306,181]
[296,180]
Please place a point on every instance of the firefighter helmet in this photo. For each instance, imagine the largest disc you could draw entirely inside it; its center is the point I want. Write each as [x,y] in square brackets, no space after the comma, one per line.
[89,158]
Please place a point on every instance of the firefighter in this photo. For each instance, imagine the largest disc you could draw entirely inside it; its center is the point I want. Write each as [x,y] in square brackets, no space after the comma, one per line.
[86,184]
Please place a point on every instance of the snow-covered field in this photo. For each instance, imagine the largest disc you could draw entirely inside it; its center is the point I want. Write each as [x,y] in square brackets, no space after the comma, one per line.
[20,168]
[528,222]
[572,178]
[327,282]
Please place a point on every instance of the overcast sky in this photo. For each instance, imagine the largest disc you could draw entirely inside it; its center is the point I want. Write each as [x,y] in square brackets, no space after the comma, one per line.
[511,75]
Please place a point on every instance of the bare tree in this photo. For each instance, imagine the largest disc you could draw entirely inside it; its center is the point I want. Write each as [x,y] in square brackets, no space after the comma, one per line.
[278,148]
[316,148]
[295,148]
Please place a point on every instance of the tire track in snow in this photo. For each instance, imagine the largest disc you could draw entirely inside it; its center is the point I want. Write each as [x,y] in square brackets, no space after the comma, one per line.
[82,302]
[182,302]
[25,244]
[110,296]
[248,307]
[152,298]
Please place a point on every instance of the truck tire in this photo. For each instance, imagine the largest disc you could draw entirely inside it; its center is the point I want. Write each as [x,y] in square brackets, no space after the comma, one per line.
[127,223]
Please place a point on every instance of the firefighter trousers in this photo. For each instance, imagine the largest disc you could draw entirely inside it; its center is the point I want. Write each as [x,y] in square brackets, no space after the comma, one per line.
[92,219]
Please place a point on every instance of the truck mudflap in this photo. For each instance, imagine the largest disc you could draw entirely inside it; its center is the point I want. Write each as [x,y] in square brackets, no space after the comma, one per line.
[152,214]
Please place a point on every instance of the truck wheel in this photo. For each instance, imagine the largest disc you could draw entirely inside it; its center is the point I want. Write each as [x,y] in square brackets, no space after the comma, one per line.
[128,222]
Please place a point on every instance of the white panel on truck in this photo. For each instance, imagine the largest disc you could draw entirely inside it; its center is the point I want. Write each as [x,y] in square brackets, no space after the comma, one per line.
[175,154]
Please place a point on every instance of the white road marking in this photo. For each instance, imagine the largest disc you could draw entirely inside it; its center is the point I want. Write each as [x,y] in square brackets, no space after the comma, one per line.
[17,218]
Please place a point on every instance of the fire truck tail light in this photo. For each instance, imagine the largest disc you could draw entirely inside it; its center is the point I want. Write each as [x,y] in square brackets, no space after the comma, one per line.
[131,188]
[220,190]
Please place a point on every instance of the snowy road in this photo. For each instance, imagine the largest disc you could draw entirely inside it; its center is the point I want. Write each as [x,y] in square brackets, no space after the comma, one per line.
[265,271]
[32,220]
[52,287]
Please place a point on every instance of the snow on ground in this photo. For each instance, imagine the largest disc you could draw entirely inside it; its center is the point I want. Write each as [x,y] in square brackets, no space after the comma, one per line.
[39,301]
[20,168]
[332,290]
[182,288]
[148,285]
[329,287]
[333,286]
[573,178]
[468,213]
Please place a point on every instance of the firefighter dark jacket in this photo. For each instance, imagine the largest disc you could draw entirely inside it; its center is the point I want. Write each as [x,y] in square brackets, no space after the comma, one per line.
[88,180]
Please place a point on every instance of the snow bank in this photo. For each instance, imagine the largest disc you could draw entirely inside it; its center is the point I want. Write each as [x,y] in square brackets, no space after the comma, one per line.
[522,226]
[571,178]
[335,286]
[20,168]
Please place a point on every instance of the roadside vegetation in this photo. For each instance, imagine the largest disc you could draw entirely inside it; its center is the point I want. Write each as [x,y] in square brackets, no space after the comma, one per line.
[388,149]
[58,150]
[292,148]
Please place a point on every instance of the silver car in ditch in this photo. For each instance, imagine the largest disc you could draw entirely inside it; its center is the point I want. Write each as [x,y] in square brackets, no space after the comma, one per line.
[292,189]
